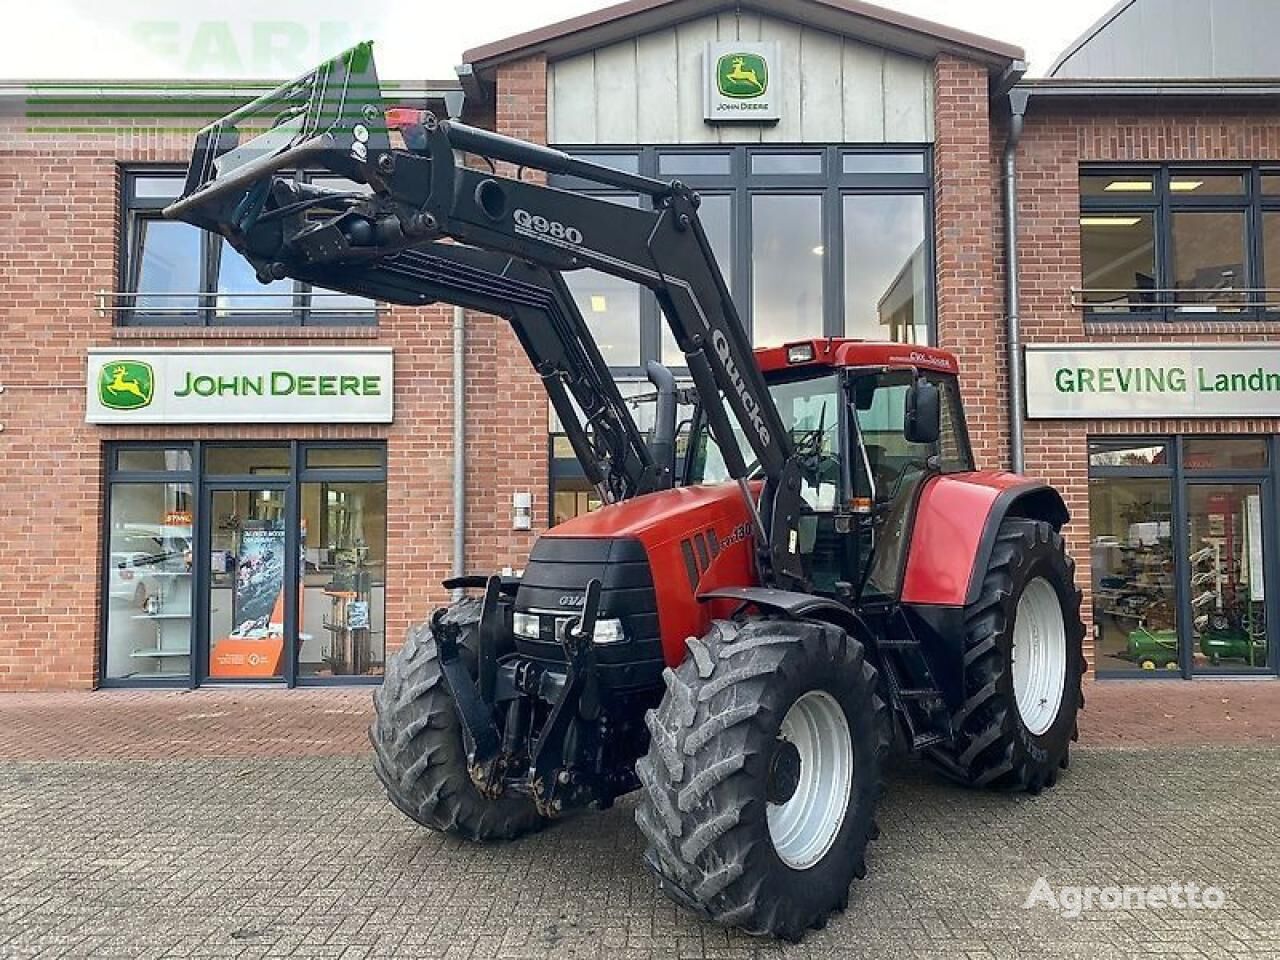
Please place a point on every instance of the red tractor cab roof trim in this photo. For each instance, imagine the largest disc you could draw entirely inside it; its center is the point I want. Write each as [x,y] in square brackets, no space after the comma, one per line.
[848,352]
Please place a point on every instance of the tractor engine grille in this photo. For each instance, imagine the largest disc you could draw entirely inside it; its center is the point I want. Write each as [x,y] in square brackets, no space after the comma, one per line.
[552,592]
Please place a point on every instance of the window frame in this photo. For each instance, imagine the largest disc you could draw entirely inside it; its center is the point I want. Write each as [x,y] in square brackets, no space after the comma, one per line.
[1162,203]
[134,208]
[832,184]
[200,483]
[1181,477]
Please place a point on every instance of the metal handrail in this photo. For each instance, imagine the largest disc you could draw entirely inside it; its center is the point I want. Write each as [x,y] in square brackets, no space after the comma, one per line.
[115,301]
[1165,297]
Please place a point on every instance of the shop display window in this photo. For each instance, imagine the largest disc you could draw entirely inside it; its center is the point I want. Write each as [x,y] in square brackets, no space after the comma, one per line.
[1180,554]
[1132,557]
[1228,576]
[148,590]
[244,562]
[344,579]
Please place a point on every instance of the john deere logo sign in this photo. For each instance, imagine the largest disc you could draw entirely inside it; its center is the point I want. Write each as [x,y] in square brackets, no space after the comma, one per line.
[126,384]
[240,385]
[742,82]
[743,76]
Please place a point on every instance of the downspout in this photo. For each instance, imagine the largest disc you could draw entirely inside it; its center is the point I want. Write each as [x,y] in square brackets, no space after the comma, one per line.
[1017,109]
[459,447]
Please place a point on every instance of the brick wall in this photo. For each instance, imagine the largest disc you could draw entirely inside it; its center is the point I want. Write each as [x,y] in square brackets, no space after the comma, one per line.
[59,195]
[507,418]
[1056,140]
[965,221]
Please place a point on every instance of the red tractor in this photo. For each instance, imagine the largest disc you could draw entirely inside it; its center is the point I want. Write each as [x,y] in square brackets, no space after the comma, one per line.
[738,637]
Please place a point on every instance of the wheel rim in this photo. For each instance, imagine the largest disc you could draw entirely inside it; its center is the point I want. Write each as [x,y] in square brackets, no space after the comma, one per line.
[1039,655]
[804,827]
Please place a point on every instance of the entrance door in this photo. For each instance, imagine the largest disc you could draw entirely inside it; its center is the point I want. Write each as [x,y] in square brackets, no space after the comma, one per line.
[1228,527]
[249,586]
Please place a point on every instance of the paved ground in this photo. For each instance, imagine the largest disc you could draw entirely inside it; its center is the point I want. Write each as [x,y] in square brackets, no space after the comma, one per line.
[246,823]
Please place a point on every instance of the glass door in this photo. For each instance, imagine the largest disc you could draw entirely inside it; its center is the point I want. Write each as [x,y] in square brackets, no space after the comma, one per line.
[247,585]
[1227,567]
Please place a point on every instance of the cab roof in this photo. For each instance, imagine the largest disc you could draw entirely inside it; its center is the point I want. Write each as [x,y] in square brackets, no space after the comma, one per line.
[838,352]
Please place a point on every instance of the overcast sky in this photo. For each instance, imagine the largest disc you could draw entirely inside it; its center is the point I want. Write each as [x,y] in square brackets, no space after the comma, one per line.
[416,39]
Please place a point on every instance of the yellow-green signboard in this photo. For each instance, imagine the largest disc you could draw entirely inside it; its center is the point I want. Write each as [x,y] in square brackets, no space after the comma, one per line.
[742,82]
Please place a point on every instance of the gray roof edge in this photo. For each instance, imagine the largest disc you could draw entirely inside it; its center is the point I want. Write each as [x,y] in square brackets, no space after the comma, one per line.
[1040,87]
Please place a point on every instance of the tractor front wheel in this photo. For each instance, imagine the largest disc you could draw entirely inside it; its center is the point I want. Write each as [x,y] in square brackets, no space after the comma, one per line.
[763,774]
[1023,665]
[417,741]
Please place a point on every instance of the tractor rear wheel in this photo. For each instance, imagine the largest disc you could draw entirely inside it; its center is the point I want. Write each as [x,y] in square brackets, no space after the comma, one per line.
[417,742]
[763,774]
[1023,666]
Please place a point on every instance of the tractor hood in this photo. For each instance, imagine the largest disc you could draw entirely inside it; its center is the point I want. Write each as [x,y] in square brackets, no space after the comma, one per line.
[694,539]
[672,512]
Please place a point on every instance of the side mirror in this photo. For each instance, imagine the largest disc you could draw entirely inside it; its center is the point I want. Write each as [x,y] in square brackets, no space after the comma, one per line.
[923,421]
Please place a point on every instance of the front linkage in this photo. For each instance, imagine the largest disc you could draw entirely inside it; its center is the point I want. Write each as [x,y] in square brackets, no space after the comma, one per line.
[521,690]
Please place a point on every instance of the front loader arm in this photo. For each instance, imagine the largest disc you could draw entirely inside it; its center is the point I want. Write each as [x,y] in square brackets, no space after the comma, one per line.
[541,311]
[423,194]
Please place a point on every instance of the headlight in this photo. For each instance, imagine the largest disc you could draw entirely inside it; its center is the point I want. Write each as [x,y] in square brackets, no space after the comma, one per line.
[525,625]
[608,631]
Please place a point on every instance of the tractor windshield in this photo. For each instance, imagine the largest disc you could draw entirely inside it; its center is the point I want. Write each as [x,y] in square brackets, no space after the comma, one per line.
[811,411]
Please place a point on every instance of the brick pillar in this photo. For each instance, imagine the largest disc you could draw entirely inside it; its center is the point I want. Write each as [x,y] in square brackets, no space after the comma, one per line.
[507,420]
[970,317]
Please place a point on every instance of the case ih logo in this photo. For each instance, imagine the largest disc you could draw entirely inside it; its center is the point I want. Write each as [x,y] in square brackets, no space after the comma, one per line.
[743,76]
[126,385]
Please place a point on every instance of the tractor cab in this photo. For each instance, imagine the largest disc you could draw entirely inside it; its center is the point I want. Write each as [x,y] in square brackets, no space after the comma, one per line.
[872,422]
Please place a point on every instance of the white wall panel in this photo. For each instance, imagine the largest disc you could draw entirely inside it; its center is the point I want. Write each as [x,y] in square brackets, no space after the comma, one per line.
[649,90]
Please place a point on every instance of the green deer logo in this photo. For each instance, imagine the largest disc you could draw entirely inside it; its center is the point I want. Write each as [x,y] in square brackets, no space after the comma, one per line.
[126,384]
[742,75]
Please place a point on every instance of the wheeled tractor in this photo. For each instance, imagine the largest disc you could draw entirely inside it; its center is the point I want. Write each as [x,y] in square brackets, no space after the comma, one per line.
[736,635]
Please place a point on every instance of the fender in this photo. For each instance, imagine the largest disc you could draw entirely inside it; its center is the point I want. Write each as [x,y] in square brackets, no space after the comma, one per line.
[801,606]
[955,526]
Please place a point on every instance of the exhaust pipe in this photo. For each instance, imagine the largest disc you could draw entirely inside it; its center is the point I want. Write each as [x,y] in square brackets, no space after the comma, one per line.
[662,444]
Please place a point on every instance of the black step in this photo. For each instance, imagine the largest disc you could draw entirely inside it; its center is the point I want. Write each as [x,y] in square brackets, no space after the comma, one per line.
[922,740]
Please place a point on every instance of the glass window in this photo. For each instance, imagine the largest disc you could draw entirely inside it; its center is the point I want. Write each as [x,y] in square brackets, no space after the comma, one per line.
[883,163]
[885,268]
[158,187]
[787,258]
[1126,184]
[344,581]
[1118,260]
[1208,259]
[716,215]
[1271,257]
[345,457]
[1202,184]
[246,461]
[1228,589]
[154,459]
[1271,184]
[246,602]
[176,273]
[240,294]
[1128,453]
[610,306]
[1224,453]
[572,497]
[786,163]
[148,589]
[695,164]
[168,267]
[1132,558]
